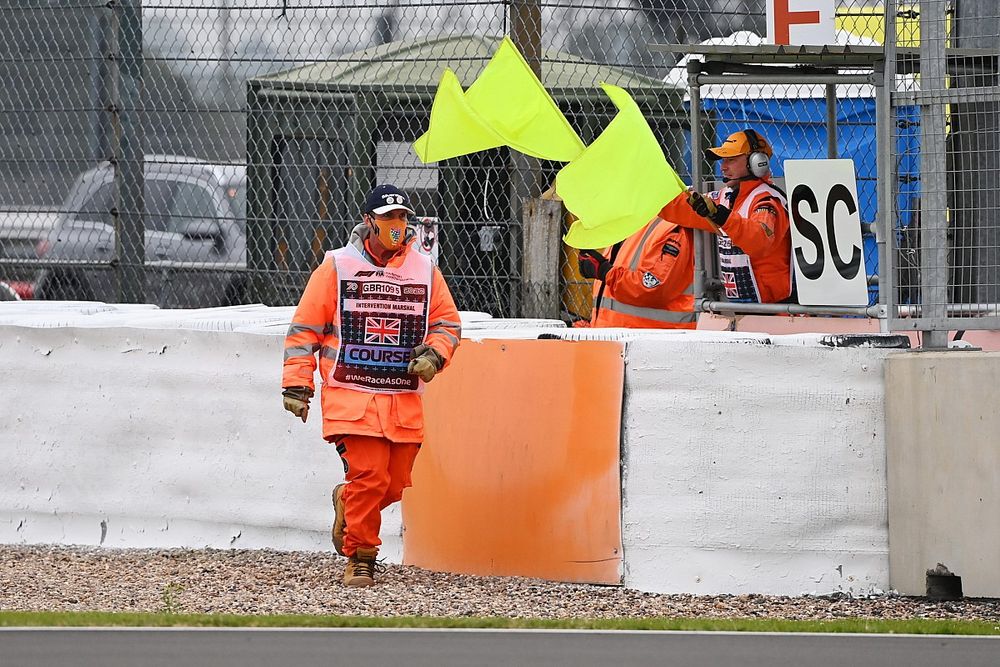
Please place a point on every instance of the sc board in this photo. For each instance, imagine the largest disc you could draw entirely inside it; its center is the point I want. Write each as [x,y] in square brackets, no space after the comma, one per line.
[827,249]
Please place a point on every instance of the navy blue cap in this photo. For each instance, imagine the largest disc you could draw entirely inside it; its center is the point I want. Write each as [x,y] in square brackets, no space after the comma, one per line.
[385,198]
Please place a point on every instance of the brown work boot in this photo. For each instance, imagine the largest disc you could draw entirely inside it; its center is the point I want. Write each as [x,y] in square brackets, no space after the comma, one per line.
[361,568]
[339,520]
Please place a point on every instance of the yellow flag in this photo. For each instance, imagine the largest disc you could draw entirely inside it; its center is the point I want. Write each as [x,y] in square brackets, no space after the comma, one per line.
[506,105]
[509,98]
[620,182]
[455,128]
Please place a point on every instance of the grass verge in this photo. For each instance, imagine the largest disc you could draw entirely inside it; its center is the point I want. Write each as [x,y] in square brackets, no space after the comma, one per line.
[103,619]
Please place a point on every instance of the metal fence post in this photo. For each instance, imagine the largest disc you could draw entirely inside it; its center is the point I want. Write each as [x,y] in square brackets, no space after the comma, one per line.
[933,183]
[261,270]
[832,148]
[702,244]
[127,151]
[885,173]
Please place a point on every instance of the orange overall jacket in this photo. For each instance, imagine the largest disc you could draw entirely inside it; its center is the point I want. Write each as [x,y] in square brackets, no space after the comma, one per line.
[762,233]
[397,417]
[649,285]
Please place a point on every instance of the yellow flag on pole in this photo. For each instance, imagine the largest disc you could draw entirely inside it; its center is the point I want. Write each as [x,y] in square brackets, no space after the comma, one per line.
[511,99]
[506,105]
[455,128]
[620,182]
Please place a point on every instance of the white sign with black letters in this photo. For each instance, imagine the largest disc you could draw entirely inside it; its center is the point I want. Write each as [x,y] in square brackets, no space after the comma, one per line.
[827,250]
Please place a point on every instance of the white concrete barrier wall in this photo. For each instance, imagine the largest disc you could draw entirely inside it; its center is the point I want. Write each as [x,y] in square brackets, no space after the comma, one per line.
[753,467]
[160,438]
[752,463]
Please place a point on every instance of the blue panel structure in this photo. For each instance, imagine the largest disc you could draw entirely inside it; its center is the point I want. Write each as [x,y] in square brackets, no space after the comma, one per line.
[796,128]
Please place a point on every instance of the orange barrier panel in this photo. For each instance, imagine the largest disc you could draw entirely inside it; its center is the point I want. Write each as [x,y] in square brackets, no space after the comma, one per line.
[519,472]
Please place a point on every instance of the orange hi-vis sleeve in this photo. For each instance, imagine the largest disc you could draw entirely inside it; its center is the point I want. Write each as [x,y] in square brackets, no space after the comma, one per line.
[667,256]
[649,285]
[679,212]
[397,417]
[312,330]
[762,233]
[444,327]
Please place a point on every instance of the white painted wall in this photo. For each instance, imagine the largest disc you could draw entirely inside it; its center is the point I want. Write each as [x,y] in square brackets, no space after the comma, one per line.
[752,463]
[754,467]
[160,438]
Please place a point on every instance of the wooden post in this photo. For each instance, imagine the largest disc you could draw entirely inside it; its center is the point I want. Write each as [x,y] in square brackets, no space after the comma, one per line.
[526,32]
[542,220]
[537,259]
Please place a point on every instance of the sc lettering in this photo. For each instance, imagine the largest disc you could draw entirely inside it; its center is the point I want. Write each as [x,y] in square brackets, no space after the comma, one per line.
[839,194]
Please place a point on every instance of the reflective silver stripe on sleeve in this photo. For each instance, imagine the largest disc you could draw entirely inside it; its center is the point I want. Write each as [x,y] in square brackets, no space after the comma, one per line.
[642,244]
[445,323]
[325,330]
[450,336]
[655,314]
[301,351]
[296,328]
[328,352]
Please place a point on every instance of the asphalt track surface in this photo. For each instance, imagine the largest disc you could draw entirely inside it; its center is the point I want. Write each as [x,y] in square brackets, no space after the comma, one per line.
[171,647]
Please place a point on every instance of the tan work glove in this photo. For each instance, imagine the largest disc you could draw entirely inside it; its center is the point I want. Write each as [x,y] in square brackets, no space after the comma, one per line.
[708,209]
[425,362]
[296,401]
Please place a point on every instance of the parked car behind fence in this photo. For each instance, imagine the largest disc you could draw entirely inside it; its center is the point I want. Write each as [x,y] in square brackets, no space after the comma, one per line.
[195,236]
[21,230]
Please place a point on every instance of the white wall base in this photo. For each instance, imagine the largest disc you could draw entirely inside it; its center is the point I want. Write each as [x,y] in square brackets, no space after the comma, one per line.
[172,438]
[752,467]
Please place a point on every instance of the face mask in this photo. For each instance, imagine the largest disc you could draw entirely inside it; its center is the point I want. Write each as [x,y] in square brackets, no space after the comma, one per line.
[390,233]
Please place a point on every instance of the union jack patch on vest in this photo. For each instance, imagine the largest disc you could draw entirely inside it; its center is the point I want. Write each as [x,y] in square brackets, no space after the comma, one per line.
[649,281]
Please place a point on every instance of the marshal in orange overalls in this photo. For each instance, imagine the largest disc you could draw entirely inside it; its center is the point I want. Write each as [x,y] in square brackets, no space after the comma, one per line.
[376,427]
[648,284]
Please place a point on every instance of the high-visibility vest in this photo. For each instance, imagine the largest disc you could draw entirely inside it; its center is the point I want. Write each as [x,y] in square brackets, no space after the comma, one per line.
[736,270]
[677,312]
[381,315]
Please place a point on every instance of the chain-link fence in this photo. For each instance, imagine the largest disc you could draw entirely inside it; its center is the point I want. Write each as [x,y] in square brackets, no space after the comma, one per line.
[947,221]
[208,152]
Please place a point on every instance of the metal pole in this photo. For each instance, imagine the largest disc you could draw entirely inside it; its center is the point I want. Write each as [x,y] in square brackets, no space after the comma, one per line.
[831,121]
[788,309]
[701,241]
[885,192]
[933,184]
[127,152]
[100,85]
[783,77]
